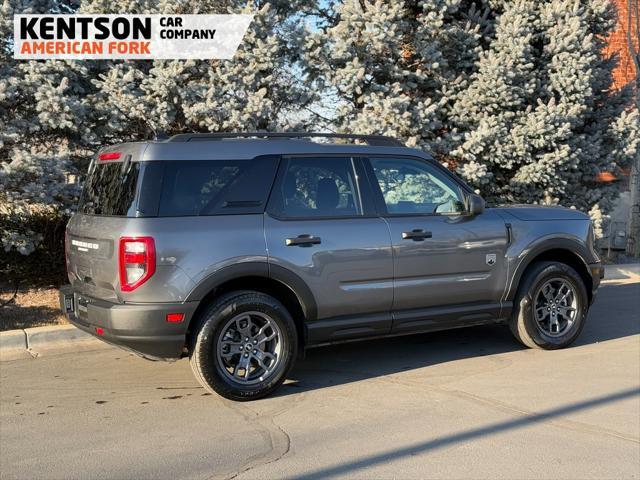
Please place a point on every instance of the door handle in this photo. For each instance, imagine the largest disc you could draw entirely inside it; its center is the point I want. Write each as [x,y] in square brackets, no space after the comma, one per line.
[303,241]
[416,235]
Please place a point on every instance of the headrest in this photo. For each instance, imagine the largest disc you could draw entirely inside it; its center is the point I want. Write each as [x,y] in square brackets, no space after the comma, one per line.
[289,187]
[328,195]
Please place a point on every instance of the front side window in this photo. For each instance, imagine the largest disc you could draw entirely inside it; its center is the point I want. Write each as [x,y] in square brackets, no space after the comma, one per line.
[410,186]
[317,187]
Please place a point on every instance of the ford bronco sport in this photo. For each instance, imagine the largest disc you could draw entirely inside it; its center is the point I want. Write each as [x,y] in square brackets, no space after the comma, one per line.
[241,250]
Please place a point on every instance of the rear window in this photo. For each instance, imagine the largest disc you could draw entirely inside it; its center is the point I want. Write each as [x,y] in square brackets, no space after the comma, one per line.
[110,189]
[180,188]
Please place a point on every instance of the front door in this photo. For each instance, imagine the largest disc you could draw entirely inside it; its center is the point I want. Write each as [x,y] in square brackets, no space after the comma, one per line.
[448,265]
[321,225]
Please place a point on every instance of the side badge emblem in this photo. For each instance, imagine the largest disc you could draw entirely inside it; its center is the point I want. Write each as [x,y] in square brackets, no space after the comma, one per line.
[491,259]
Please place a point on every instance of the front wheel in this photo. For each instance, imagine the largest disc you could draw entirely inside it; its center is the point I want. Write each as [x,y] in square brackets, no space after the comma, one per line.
[551,306]
[245,347]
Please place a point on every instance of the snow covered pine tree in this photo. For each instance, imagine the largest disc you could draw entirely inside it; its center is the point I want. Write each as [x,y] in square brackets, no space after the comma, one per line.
[513,94]
[55,114]
[253,91]
[540,117]
[43,127]
[391,67]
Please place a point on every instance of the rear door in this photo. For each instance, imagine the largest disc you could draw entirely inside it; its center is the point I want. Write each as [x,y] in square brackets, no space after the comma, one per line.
[449,265]
[321,225]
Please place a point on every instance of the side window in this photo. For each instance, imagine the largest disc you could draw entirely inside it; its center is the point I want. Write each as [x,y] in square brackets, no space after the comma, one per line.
[217,187]
[411,186]
[316,187]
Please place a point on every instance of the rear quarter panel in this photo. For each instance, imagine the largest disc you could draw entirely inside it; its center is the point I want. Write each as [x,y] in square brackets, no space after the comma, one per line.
[188,250]
[198,247]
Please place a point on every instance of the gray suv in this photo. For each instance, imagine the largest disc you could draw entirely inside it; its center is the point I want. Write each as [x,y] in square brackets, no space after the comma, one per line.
[240,251]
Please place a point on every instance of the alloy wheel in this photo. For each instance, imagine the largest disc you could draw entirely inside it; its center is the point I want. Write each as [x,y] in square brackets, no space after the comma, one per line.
[556,307]
[249,348]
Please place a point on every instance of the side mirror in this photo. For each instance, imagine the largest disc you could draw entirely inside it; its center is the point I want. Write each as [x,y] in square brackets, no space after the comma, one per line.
[475,204]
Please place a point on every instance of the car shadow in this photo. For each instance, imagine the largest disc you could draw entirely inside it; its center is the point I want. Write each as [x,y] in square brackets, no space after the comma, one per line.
[615,314]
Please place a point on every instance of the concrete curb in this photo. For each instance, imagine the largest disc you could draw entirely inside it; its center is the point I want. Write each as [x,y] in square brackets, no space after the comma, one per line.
[32,342]
[13,339]
[45,337]
[628,271]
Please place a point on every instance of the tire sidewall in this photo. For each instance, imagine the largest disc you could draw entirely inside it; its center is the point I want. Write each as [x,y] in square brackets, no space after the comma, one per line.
[207,341]
[526,305]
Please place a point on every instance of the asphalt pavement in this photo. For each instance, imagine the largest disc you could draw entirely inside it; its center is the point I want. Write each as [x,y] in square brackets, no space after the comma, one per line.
[468,403]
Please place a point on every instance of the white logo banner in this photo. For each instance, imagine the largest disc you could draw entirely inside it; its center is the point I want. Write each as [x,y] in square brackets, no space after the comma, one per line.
[133,37]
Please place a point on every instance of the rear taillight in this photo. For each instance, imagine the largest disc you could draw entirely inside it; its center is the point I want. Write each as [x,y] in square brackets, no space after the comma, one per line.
[136,261]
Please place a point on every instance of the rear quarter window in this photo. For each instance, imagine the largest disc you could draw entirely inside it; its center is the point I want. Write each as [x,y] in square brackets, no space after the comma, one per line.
[219,187]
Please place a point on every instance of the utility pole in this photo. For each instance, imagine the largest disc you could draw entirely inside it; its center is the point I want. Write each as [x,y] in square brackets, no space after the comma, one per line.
[633,40]
[633,228]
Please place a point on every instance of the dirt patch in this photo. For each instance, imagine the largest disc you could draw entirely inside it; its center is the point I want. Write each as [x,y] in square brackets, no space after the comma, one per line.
[30,308]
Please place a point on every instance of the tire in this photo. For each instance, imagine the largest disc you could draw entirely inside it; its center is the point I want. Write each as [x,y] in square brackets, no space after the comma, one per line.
[224,328]
[539,285]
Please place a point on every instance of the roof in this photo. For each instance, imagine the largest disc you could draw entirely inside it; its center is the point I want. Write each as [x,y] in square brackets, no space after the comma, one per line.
[373,140]
[247,148]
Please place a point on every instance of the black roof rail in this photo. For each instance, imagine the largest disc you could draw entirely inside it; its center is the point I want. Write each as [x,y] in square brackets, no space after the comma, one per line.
[373,140]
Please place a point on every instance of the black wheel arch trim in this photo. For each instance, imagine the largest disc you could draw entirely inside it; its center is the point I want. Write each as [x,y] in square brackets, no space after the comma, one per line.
[573,245]
[259,269]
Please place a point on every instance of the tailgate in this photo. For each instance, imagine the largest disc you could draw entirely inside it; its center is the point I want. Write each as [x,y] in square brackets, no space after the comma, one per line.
[92,258]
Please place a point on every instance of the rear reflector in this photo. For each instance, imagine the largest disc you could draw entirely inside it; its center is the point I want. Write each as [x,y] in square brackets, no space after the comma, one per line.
[109,156]
[136,261]
[175,317]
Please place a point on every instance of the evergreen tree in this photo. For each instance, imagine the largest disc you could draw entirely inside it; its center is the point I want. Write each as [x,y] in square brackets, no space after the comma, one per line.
[540,117]
[44,120]
[513,94]
[54,115]
[392,67]
[253,91]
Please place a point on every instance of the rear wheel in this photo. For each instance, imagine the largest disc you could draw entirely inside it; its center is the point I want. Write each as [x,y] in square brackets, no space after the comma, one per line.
[551,306]
[245,347]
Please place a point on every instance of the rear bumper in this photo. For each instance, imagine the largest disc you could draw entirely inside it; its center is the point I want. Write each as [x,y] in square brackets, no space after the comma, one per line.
[140,328]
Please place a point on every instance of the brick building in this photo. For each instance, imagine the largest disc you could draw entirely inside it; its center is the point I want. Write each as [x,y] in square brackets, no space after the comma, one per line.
[616,235]
[625,71]
[617,45]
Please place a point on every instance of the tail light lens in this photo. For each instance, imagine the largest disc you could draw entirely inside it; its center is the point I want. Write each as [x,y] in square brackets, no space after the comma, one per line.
[137,261]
